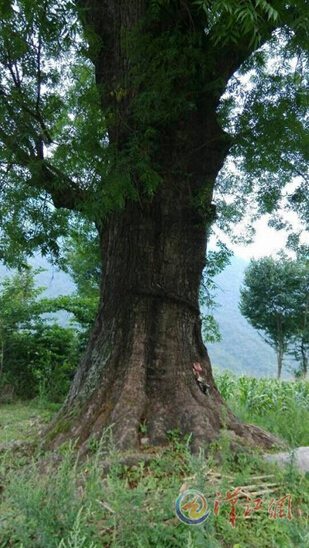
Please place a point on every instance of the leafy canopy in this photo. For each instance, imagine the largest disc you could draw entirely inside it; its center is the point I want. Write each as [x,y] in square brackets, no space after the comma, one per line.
[56,161]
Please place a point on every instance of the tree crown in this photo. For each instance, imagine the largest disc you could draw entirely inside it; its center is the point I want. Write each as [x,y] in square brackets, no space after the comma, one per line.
[58,118]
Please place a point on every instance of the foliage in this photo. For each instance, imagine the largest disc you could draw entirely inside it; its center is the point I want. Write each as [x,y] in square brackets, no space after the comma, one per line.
[81,259]
[53,133]
[216,261]
[268,161]
[18,301]
[53,360]
[272,299]
[36,356]
[19,310]
[281,407]
[82,308]
[233,21]
[30,41]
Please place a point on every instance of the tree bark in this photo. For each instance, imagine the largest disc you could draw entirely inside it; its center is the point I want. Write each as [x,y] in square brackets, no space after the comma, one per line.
[281,346]
[138,367]
[280,355]
[304,357]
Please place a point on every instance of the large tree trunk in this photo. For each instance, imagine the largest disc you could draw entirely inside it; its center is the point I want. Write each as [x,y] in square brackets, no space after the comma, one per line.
[137,369]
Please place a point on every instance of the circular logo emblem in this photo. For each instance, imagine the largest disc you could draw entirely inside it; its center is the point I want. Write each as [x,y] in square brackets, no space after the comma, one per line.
[191,507]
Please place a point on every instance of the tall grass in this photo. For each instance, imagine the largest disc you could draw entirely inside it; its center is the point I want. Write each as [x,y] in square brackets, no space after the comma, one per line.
[281,407]
[73,504]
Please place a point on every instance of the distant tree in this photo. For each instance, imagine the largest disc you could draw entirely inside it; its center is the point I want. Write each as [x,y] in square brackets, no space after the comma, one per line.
[299,345]
[34,353]
[18,306]
[272,300]
[53,353]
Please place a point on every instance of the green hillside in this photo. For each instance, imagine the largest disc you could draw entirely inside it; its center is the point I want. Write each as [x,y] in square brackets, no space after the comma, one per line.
[242,349]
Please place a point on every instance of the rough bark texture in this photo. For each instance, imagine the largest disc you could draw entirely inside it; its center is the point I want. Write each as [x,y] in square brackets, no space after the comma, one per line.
[138,366]
[137,369]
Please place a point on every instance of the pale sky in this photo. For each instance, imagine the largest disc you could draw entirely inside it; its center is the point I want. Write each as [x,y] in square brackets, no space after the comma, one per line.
[267,240]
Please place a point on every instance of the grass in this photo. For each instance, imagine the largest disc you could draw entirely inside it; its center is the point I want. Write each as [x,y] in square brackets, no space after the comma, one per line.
[22,420]
[74,504]
[281,407]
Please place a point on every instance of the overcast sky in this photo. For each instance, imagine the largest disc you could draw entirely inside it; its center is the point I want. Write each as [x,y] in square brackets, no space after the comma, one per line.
[267,240]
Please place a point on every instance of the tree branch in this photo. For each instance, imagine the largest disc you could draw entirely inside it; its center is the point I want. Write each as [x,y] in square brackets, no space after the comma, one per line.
[64,191]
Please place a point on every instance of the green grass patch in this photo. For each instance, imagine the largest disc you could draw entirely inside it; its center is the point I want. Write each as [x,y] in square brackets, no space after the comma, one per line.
[75,504]
[21,421]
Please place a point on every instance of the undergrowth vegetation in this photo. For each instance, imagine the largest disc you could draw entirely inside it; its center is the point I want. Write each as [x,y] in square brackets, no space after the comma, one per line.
[50,500]
[282,407]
